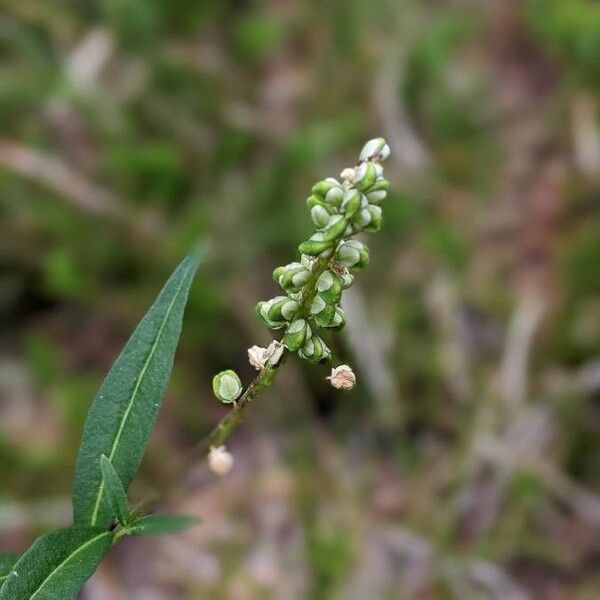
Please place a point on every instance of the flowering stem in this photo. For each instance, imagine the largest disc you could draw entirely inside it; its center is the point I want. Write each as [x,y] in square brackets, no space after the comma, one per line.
[227,424]
[221,432]
[217,436]
[313,288]
[263,380]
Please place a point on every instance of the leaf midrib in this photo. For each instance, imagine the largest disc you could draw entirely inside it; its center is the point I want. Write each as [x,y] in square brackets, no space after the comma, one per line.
[134,394]
[66,560]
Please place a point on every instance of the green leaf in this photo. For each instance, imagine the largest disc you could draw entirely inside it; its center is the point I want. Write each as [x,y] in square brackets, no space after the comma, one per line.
[7,562]
[57,564]
[122,415]
[155,524]
[115,492]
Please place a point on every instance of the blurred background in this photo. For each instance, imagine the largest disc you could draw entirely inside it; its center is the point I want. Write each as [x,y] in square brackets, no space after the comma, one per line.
[466,462]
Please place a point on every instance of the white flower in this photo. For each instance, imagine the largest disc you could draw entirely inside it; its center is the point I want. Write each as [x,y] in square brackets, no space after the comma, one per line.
[257,357]
[347,174]
[220,460]
[274,353]
[375,148]
[342,378]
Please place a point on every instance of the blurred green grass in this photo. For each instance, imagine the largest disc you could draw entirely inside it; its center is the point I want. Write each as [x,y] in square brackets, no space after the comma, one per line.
[132,128]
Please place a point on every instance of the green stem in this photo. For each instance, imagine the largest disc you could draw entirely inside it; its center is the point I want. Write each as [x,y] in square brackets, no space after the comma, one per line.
[231,420]
[263,380]
[119,533]
[228,423]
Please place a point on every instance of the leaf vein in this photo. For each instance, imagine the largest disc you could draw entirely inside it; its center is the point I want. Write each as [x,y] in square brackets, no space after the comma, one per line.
[66,560]
[135,391]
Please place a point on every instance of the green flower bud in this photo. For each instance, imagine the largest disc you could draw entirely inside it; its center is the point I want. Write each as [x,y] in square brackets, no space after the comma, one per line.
[338,321]
[262,311]
[377,196]
[375,148]
[309,332]
[322,187]
[294,277]
[313,201]
[322,351]
[307,350]
[353,254]
[296,335]
[319,216]
[286,273]
[335,228]
[282,309]
[365,176]
[316,244]
[347,279]
[258,308]
[325,316]
[227,386]
[278,272]
[329,287]
[317,305]
[351,202]
[380,184]
[361,219]
[315,350]
[322,312]
[334,196]
[306,261]
[375,224]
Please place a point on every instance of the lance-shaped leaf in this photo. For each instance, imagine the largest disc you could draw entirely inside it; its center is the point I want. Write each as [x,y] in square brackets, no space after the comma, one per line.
[7,562]
[157,524]
[123,413]
[117,497]
[57,564]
